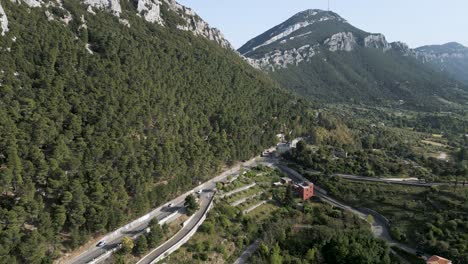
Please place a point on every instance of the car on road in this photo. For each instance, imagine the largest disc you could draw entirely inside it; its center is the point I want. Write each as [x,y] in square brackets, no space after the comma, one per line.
[200,191]
[170,205]
[101,243]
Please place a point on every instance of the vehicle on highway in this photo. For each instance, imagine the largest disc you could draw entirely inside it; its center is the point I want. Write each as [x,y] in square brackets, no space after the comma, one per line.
[200,191]
[101,244]
[170,205]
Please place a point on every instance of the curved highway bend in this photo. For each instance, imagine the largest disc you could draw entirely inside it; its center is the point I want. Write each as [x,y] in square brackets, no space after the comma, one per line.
[93,252]
[204,204]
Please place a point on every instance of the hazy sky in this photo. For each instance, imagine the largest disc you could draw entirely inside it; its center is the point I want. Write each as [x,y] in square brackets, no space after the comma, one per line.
[416,22]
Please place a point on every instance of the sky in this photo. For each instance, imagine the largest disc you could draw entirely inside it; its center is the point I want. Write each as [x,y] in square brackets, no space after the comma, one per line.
[415,22]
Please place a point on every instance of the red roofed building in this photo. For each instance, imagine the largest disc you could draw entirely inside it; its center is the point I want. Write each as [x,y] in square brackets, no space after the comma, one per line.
[438,260]
[305,190]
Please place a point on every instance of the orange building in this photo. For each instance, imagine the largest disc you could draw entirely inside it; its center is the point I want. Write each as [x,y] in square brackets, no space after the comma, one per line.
[305,190]
[438,260]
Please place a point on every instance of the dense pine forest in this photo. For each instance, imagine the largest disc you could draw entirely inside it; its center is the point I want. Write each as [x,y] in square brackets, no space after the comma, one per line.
[90,139]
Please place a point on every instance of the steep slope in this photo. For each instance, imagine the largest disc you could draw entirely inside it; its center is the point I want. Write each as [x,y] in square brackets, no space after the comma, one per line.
[321,56]
[105,114]
[450,58]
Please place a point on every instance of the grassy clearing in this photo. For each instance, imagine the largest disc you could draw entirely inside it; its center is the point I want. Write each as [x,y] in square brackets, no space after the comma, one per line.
[243,194]
[250,203]
[263,212]
[433,143]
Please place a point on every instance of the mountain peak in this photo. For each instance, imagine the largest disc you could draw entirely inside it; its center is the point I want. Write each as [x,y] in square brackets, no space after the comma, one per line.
[447,49]
[454,45]
[314,14]
[293,27]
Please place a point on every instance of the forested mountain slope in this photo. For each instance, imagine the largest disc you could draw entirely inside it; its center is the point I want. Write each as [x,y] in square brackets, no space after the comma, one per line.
[319,55]
[105,113]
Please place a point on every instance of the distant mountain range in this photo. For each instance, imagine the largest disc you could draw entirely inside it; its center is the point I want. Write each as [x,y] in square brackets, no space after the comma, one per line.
[319,55]
[450,58]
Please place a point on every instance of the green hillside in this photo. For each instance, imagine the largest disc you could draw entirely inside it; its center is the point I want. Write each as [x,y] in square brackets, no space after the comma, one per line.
[90,141]
[370,76]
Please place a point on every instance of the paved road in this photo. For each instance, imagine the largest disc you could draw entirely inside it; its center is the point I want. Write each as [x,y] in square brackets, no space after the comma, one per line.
[248,252]
[205,199]
[94,252]
[208,187]
[379,227]
[391,181]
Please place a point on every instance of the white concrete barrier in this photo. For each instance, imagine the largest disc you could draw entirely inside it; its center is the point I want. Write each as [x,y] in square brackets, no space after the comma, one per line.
[250,209]
[168,218]
[239,190]
[187,237]
[103,256]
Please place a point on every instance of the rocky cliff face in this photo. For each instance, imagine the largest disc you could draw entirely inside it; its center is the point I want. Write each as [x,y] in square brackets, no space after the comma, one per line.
[291,29]
[377,41]
[343,41]
[150,10]
[319,55]
[403,48]
[3,21]
[111,5]
[282,59]
[450,58]
[308,34]
[441,53]
[196,25]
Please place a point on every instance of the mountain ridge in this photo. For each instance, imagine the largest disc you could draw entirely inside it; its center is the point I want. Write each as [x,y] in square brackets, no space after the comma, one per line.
[150,10]
[322,50]
[449,58]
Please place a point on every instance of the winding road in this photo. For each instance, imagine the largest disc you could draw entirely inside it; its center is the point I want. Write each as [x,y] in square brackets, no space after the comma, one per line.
[380,228]
[184,233]
[400,181]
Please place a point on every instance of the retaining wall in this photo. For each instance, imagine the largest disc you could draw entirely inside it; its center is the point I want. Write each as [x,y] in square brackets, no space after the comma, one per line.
[188,236]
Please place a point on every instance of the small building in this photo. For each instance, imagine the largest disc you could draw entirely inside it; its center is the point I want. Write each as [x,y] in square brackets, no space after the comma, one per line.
[285,147]
[438,260]
[293,143]
[305,190]
[286,180]
[341,153]
[281,137]
[282,148]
